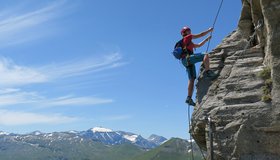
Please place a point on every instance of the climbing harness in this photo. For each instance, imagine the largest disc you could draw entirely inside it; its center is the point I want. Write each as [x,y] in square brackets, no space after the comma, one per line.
[214,23]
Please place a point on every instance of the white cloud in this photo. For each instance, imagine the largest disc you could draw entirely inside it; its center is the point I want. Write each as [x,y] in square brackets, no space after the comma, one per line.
[26,118]
[18,97]
[77,101]
[8,90]
[82,67]
[12,96]
[14,75]
[18,28]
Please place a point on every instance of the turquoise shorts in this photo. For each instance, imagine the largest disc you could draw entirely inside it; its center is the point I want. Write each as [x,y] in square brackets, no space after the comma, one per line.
[193,59]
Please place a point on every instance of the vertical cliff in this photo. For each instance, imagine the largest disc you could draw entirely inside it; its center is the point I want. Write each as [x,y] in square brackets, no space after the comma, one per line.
[244,101]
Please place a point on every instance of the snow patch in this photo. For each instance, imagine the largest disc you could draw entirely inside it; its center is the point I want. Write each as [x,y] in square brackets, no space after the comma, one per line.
[164,141]
[111,138]
[74,132]
[37,133]
[100,129]
[131,138]
[4,133]
[152,139]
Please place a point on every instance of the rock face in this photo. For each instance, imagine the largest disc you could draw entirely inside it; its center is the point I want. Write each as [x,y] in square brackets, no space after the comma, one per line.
[244,126]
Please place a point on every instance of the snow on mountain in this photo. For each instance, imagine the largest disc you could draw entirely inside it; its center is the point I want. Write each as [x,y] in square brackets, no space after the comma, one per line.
[158,140]
[36,133]
[104,135]
[99,134]
[73,132]
[3,133]
[131,138]
[100,129]
[110,137]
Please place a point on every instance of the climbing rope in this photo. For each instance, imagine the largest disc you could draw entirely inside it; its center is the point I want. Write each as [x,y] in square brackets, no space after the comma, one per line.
[218,12]
[214,23]
[216,17]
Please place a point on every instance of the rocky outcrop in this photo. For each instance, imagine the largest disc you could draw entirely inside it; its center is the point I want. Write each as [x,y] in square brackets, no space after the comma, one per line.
[245,125]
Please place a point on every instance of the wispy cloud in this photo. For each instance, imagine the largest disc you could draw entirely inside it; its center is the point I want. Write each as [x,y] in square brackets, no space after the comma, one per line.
[26,118]
[16,96]
[82,67]
[76,101]
[18,27]
[15,75]
[12,96]
[8,90]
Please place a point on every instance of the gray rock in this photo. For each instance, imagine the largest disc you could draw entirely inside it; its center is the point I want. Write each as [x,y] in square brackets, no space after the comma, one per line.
[244,127]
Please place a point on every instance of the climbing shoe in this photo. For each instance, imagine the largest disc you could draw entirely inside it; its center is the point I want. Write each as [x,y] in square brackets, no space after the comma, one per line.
[211,74]
[190,101]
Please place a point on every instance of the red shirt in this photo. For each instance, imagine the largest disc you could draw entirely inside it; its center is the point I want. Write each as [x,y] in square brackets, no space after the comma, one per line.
[187,41]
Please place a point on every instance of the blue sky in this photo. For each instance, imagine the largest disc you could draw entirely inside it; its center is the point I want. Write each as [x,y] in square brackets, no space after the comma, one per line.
[73,65]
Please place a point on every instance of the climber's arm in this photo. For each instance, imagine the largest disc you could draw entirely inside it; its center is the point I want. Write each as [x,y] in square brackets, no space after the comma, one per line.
[202,43]
[202,33]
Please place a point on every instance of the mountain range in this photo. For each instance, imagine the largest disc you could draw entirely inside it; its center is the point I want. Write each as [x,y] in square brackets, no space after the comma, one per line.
[97,134]
[173,149]
[96,143]
[107,136]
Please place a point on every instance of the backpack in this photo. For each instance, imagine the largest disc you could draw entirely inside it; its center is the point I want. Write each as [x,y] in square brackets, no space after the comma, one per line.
[178,51]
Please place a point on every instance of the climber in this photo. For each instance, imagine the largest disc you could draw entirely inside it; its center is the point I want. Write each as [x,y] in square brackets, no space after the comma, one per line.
[189,59]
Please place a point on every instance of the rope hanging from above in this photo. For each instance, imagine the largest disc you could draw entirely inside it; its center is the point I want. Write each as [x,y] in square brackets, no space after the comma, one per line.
[189,105]
[214,23]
